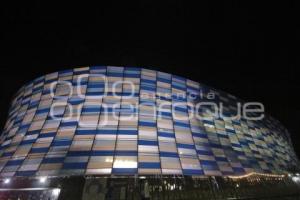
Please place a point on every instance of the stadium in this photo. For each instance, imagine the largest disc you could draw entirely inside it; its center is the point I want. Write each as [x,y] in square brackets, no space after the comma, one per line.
[105,132]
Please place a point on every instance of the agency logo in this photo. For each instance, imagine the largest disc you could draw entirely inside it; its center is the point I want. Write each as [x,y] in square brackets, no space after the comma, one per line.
[113,97]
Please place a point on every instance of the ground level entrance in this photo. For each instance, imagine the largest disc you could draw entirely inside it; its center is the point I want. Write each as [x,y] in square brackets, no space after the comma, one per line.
[150,187]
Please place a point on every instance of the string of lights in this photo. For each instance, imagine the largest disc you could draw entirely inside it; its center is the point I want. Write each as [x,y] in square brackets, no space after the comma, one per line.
[257,174]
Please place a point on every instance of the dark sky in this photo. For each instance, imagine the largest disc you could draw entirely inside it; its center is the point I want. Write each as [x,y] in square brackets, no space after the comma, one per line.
[247,49]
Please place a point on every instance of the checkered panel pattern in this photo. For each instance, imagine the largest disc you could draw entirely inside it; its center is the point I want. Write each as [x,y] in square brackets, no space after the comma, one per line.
[104,120]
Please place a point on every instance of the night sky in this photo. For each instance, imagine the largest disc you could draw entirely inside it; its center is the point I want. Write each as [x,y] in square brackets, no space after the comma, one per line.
[249,50]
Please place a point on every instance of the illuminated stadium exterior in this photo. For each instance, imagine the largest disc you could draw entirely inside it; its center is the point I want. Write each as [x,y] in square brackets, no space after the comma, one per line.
[121,121]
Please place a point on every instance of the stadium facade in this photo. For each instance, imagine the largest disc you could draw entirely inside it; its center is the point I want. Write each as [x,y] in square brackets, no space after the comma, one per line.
[105,121]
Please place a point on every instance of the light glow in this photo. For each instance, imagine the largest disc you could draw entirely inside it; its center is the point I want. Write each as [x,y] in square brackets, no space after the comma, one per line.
[125,164]
[296,179]
[55,192]
[43,179]
[7,180]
